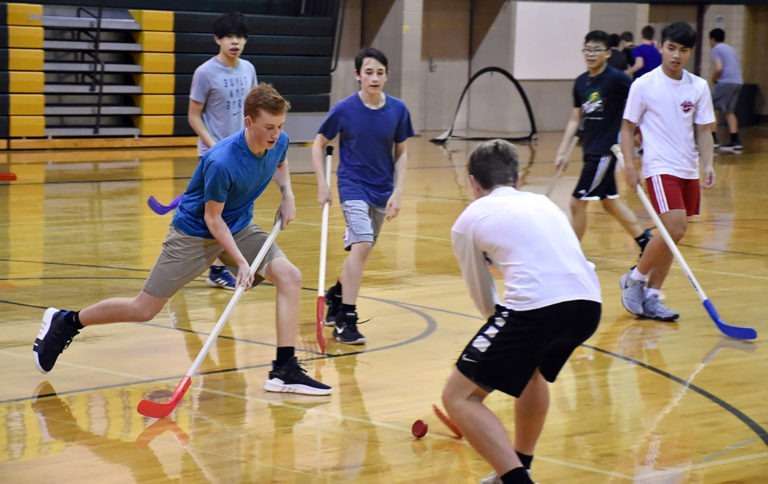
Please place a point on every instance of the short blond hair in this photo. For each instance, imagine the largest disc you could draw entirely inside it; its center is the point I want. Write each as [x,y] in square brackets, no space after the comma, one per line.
[264,97]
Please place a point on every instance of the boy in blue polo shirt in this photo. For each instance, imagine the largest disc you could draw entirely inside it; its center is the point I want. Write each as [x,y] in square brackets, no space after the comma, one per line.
[373,128]
[214,220]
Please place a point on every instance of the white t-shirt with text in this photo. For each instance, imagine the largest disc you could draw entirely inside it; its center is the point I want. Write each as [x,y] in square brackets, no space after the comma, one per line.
[666,110]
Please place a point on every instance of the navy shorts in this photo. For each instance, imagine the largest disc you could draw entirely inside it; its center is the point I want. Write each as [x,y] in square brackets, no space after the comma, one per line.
[511,345]
[597,180]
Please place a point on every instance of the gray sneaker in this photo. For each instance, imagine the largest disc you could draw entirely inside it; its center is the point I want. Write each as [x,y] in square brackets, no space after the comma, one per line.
[653,308]
[632,294]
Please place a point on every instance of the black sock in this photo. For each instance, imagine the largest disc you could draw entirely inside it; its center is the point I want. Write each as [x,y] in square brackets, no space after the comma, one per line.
[518,475]
[348,308]
[735,139]
[642,239]
[284,354]
[73,318]
[336,290]
[525,459]
[714,137]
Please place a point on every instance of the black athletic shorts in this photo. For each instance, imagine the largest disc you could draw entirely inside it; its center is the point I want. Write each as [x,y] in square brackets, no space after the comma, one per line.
[597,180]
[511,345]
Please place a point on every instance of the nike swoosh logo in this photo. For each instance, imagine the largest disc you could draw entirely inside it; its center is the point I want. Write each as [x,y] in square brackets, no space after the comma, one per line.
[464,358]
[339,330]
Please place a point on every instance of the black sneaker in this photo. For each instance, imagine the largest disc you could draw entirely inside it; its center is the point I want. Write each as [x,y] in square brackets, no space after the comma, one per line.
[345,329]
[55,335]
[292,378]
[333,304]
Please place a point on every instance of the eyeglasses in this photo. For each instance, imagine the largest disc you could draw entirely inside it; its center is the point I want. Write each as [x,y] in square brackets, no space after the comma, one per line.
[592,51]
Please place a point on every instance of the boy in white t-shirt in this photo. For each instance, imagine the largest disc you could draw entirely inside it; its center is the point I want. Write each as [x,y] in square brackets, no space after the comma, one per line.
[551,305]
[666,104]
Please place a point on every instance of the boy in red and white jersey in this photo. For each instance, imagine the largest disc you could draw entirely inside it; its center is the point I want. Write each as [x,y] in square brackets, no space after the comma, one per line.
[673,109]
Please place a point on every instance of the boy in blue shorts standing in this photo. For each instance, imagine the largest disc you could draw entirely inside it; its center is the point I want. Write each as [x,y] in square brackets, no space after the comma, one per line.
[373,128]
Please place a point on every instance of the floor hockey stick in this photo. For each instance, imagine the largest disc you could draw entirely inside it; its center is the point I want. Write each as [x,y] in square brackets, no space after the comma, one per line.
[563,166]
[447,421]
[7,176]
[735,332]
[731,331]
[153,409]
[320,302]
[161,209]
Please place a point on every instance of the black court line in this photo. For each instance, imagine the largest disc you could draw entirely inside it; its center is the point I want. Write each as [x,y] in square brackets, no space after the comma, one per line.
[760,431]
[430,327]
[745,419]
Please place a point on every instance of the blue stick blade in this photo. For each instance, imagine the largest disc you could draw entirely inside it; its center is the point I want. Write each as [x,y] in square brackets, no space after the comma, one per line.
[735,332]
[156,206]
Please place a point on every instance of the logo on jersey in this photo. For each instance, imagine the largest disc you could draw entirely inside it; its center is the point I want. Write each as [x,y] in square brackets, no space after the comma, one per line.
[593,104]
[687,106]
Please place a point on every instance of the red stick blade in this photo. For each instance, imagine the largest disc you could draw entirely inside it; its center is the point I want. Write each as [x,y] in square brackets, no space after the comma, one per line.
[319,316]
[447,421]
[7,176]
[148,408]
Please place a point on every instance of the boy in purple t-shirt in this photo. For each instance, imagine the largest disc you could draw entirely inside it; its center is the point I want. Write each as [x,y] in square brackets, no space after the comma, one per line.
[373,129]
[647,55]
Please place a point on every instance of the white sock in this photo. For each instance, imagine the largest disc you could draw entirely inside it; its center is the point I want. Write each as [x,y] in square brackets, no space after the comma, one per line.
[652,291]
[638,276]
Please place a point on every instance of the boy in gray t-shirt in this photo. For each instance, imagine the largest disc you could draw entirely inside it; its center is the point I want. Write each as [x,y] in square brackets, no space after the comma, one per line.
[726,76]
[219,88]
[220,85]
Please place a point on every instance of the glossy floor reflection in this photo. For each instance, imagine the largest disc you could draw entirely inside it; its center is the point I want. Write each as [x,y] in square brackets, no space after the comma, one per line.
[640,402]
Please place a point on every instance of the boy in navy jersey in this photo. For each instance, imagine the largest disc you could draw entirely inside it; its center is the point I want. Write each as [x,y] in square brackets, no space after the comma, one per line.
[598,102]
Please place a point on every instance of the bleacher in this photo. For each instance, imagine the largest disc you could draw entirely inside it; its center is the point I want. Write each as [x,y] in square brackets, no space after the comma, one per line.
[123,68]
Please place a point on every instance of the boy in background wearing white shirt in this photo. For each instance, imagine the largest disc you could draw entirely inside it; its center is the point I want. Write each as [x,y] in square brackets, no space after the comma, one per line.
[667,103]
[551,305]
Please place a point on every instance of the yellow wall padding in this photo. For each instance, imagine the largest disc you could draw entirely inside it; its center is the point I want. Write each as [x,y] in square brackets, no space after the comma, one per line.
[156,104]
[20,81]
[156,41]
[26,104]
[156,83]
[155,125]
[26,126]
[25,37]
[156,62]
[153,20]
[25,14]
[25,59]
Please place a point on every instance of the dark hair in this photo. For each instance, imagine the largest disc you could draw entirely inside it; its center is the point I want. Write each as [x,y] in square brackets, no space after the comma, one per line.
[372,53]
[627,36]
[648,32]
[597,36]
[494,163]
[679,32]
[718,35]
[264,97]
[613,40]
[232,23]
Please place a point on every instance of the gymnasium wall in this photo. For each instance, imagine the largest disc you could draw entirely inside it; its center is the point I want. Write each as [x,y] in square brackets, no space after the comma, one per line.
[431,82]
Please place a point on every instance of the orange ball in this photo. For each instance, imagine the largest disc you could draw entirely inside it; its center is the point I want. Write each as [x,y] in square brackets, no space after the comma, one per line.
[419,429]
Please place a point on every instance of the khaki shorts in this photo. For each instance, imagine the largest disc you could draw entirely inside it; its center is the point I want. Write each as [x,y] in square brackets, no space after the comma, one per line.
[185,257]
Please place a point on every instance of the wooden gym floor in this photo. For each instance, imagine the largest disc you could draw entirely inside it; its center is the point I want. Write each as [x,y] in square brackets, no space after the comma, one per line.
[640,402]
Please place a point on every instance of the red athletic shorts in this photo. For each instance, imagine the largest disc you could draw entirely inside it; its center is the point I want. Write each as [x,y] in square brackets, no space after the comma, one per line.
[672,193]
